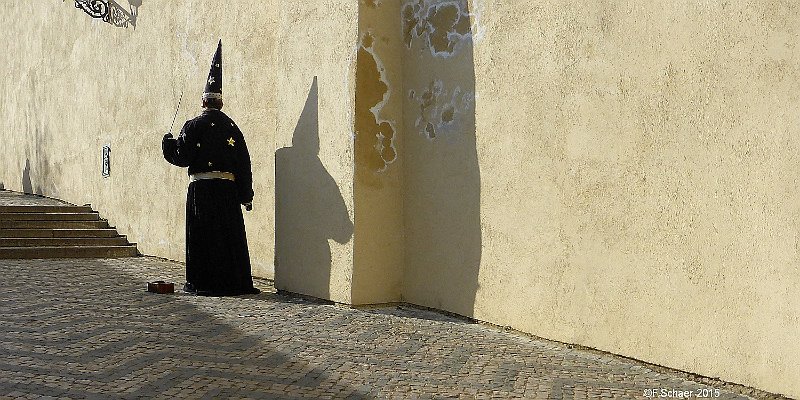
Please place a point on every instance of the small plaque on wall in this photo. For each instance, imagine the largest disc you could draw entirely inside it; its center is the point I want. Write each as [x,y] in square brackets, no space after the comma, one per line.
[106,161]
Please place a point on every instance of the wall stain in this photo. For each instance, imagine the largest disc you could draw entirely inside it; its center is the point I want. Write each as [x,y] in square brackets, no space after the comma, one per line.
[445,29]
[439,108]
[444,26]
[375,148]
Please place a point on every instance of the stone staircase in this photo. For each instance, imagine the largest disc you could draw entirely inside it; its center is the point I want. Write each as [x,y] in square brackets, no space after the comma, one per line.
[58,231]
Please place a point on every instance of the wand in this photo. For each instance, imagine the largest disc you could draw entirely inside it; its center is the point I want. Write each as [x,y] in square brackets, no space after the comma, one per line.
[176,112]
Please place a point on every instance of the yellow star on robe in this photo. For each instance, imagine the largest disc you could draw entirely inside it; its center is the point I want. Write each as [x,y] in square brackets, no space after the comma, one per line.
[231,141]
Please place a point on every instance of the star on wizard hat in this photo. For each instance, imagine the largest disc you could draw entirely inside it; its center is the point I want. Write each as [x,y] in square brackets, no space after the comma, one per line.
[213,88]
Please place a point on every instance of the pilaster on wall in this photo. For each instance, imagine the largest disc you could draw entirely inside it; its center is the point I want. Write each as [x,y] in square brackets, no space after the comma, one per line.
[378,183]
[417,183]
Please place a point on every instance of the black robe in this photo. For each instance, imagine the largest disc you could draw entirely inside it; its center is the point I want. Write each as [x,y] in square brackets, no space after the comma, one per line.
[217,258]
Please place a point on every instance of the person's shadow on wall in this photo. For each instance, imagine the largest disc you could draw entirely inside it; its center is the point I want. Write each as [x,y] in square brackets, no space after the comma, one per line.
[309,210]
[27,184]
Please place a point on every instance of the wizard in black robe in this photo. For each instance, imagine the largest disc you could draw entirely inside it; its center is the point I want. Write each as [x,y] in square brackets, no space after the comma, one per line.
[221,181]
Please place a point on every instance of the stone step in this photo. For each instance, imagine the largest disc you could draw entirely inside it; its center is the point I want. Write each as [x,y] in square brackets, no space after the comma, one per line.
[45,209]
[29,224]
[57,233]
[68,252]
[50,242]
[48,216]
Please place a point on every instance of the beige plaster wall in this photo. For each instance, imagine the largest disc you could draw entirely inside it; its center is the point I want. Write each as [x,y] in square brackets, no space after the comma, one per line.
[74,83]
[614,174]
[638,180]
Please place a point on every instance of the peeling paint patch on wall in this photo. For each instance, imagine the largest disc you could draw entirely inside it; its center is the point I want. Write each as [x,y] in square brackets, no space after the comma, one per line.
[375,148]
[440,107]
[440,32]
[443,25]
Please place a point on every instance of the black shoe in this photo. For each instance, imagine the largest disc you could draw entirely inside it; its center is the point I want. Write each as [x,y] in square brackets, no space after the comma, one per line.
[252,290]
[189,288]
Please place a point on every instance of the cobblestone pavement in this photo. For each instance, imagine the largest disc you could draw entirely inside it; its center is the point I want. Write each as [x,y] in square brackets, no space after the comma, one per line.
[88,329]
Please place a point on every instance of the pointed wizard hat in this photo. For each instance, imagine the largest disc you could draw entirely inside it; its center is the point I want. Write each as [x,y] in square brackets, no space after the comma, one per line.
[213,88]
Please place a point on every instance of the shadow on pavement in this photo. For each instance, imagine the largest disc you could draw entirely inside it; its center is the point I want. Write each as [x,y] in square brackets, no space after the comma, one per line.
[93,331]
[408,311]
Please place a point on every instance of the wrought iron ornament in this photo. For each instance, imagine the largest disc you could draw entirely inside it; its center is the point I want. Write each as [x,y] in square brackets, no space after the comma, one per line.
[110,11]
[95,8]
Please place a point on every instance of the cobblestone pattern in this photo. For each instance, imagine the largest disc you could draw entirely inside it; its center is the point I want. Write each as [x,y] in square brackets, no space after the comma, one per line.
[88,329]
